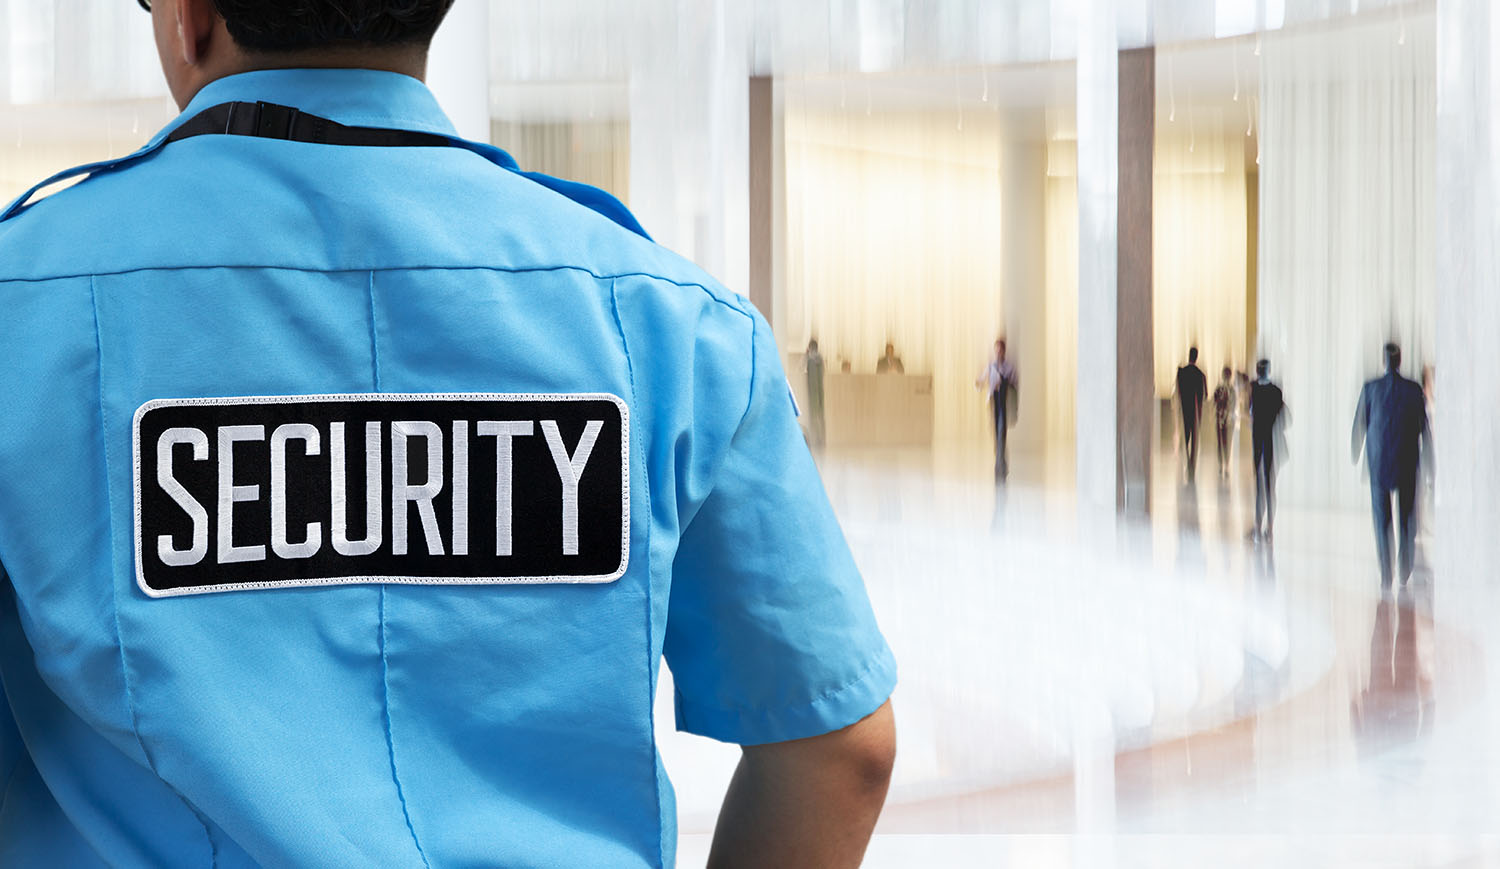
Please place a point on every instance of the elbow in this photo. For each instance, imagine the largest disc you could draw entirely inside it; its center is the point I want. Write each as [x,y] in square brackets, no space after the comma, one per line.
[870,758]
[855,763]
[875,769]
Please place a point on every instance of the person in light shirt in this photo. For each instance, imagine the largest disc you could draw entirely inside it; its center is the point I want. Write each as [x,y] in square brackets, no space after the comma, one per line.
[1000,383]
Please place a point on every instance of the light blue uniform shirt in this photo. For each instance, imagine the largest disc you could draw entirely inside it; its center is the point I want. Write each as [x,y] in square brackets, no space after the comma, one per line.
[375,723]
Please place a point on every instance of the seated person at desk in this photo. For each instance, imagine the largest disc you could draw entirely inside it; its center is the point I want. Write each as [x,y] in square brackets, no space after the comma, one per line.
[890,363]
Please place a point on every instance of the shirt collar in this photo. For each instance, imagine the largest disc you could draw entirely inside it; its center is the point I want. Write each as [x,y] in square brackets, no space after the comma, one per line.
[354,97]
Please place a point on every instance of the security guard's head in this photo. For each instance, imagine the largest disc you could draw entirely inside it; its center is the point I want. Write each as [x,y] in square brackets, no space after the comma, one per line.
[203,40]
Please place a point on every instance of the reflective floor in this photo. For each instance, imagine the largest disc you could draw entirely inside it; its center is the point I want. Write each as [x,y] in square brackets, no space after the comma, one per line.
[1077,691]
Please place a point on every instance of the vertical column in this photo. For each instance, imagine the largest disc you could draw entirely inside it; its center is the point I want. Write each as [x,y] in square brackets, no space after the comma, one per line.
[1136,392]
[654,145]
[1468,305]
[458,68]
[1098,154]
[1098,114]
[762,192]
[1023,186]
[778,211]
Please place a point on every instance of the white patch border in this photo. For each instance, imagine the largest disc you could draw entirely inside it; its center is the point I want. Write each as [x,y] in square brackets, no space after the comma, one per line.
[155,403]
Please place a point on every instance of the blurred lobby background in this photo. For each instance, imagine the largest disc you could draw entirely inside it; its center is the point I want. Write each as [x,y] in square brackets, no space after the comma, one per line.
[1097,668]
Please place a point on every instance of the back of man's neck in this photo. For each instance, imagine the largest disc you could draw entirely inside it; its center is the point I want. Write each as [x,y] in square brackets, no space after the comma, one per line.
[410,59]
[405,60]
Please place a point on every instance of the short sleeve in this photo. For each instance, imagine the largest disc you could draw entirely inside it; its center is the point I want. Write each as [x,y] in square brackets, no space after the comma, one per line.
[770,635]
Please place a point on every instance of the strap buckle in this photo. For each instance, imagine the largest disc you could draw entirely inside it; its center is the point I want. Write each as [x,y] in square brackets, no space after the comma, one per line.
[264,120]
[273,121]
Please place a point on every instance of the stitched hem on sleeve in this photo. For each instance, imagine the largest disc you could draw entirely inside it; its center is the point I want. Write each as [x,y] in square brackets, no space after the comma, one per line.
[835,710]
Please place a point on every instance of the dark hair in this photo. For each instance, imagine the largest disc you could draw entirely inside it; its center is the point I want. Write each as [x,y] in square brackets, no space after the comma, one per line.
[1193,354]
[295,25]
[1262,367]
[1393,355]
[1228,371]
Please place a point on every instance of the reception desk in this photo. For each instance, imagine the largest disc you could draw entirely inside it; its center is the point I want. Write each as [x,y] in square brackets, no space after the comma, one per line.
[879,410]
[870,410]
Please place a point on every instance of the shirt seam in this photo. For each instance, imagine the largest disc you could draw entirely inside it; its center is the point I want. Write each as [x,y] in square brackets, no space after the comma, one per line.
[733,306]
[719,461]
[750,399]
[661,857]
[374,336]
[390,734]
[385,670]
[130,706]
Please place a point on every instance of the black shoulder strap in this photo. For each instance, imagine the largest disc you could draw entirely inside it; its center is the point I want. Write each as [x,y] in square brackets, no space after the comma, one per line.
[270,121]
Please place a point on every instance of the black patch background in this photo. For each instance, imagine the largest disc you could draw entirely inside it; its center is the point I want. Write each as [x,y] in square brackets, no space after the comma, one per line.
[536,492]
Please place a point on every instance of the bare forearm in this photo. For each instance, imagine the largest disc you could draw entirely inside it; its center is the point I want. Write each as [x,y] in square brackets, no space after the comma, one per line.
[808,803]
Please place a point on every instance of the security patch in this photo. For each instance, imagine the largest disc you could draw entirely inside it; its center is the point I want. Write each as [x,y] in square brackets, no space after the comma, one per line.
[285,491]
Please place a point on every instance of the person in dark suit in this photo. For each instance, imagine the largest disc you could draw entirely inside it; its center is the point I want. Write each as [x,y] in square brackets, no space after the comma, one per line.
[1391,424]
[890,363]
[1192,391]
[1268,416]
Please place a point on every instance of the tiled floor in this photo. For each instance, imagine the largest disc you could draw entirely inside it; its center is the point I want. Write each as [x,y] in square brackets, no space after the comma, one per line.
[1157,692]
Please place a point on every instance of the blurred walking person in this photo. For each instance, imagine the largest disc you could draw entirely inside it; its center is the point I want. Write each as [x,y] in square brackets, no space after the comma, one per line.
[817,425]
[1391,424]
[1192,391]
[1224,407]
[1268,418]
[1000,381]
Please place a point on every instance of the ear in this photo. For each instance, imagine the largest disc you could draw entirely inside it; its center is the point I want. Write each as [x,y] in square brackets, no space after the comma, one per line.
[195,28]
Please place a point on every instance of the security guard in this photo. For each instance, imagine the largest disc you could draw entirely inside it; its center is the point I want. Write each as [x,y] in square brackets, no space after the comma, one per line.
[353,483]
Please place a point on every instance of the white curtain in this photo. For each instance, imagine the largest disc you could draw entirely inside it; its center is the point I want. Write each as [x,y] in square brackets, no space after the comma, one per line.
[1200,254]
[1062,285]
[1347,256]
[893,234]
[76,50]
[1199,243]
